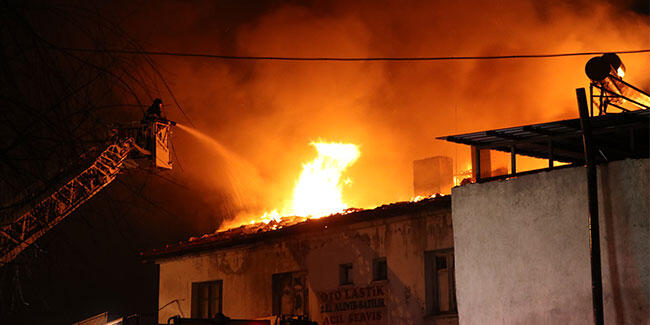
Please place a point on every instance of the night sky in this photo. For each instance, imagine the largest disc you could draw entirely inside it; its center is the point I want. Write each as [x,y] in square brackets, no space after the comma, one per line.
[59,103]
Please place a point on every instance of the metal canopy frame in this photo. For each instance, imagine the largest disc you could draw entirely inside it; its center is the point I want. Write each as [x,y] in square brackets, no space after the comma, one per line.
[617,135]
[602,96]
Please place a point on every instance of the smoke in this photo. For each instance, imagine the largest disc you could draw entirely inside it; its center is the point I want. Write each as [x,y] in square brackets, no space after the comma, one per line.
[268,112]
[254,120]
[241,176]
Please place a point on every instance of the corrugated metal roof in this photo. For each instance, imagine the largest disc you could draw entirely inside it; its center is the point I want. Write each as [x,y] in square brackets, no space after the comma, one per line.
[617,136]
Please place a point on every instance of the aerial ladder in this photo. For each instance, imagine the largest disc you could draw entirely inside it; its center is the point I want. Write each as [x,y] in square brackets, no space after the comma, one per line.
[148,140]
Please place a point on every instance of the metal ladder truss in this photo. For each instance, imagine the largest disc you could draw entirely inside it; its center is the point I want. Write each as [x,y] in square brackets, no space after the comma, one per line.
[25,230]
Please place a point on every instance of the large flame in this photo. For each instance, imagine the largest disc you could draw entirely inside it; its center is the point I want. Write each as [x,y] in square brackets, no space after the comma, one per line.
[318,190]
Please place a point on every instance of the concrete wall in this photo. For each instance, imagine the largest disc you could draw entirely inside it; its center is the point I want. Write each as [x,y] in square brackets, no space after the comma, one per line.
[433,175]
[522,251]
[246,271]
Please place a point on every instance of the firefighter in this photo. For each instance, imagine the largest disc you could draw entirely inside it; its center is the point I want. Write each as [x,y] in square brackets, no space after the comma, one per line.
[154,112]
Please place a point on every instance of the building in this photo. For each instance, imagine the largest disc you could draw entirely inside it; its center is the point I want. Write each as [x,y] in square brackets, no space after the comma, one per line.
[518,252]
[522,247]
[522,241]
[390,265]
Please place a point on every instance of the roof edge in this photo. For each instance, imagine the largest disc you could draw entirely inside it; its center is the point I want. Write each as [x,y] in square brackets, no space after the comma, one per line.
[311,225]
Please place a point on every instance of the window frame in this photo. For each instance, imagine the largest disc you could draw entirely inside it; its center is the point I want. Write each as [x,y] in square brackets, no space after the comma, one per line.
[432,296]
[196,301]
[276,296]
[345,276]
[376,274]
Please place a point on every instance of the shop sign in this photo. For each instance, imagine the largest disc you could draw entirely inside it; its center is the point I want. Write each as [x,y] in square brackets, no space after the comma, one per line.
[355,305]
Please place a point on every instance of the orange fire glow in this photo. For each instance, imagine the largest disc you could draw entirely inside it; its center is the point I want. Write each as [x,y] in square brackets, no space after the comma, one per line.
[318,190]
[463,174]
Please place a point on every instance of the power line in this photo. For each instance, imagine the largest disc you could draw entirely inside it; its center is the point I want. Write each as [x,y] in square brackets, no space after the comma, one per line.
[288,58]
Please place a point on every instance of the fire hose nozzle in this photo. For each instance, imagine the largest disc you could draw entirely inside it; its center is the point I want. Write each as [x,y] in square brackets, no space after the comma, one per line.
[166,121]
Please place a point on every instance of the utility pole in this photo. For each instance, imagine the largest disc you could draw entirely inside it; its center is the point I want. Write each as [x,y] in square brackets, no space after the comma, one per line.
[592,196]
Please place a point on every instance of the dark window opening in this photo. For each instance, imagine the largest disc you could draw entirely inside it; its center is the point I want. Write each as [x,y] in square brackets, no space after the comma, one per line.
[379,269]
[440,282]
[441,262]
[345,274]
[206,298]
[290,293]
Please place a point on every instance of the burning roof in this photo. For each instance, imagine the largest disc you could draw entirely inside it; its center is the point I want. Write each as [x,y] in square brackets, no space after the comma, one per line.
[289,226]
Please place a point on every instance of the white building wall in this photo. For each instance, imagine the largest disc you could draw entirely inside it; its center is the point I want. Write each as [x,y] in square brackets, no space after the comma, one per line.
[522,251]
[246,271]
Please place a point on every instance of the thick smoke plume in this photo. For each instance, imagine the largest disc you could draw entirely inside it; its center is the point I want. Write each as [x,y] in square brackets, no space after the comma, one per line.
[267,112]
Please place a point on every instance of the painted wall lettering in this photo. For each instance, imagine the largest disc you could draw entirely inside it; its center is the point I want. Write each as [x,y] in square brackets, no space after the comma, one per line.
[355,305]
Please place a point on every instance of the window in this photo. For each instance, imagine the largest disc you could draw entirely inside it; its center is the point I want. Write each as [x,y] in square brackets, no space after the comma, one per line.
[379,269]
[289,293]
[440,282]
[206,298]
[345,274]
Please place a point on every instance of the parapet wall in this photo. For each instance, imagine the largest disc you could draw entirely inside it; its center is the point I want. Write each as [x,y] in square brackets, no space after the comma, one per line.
[522,250]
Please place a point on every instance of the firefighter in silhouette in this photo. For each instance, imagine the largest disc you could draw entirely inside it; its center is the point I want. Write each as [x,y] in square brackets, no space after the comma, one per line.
[154,124]
[154,112]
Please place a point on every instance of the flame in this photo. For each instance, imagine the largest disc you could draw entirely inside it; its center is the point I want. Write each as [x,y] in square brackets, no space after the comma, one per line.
[423,197]
[620,72]
[268,217]
[318,190]
[463,174]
